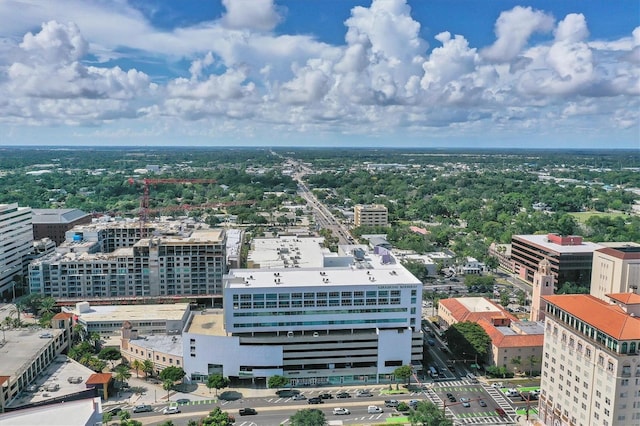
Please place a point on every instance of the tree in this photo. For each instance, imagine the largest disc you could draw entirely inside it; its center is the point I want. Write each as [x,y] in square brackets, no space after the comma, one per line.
[308,417]
[106,418]
[217,417]
[47,304]
[277,381]
[137,365]
[172,373]
[532,360]
[403,373]
[428,414]
[167,423]
[516,361]
[110,354]
[217,381]
[94,339]
[122,373]
[124,415]
[167,385]
[468,339]
[147,367]
[505,298]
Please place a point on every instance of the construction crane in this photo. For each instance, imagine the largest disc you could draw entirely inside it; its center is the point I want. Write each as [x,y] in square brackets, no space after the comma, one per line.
[144,201]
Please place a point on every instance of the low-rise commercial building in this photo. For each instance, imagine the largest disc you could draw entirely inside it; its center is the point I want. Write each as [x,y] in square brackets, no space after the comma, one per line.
[161,349]
[54,223]
[370,215]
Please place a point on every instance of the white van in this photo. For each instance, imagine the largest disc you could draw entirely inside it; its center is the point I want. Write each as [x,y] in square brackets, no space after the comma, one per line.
[374,409]
[513,392]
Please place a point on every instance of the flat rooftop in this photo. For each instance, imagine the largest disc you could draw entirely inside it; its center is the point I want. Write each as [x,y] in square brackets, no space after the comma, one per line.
[543,241]
[287,250]
[210,323]
[68,374]
[114,313]
[21,346]
[82,412]
[171,345]
[200,236]
[478,304]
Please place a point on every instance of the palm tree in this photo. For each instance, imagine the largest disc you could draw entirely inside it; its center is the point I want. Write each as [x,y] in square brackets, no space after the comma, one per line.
[167,385]
[78,332]
[137,365]
[46,305]
[532,360]
[516,361]
[122,373]
[94,338]
[147,367]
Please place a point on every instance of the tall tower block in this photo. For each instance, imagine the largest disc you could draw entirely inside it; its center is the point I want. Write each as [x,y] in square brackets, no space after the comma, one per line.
[542,286]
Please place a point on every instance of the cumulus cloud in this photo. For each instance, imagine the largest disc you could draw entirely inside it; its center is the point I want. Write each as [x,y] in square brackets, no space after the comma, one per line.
[258,15]
[513,29]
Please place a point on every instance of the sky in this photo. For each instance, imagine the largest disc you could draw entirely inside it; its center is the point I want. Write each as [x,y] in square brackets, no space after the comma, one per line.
[328,73]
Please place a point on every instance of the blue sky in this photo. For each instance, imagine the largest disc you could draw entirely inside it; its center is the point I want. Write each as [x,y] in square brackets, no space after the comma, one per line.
[423,73]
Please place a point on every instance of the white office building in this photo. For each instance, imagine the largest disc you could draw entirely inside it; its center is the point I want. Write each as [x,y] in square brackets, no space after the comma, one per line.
[16,242]
[344,324]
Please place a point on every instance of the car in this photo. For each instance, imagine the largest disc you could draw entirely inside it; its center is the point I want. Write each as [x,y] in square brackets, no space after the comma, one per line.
[465,402]
[497,385]
[142,408]
[114,411]
[299,397]
[364,394]
[413,403]
[391,403]
[512,392]
[171,410]
[431,342]
[183,401]
[339,411]
[472,378]
[315,400]
[455,280]
[343,395]
[287,393]
[326,396]
[247,411]
[451,397]
[482,403]
[374,409]
[500,412]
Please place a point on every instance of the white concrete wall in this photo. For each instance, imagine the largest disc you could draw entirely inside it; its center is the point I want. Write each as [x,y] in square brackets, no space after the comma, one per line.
[393,346]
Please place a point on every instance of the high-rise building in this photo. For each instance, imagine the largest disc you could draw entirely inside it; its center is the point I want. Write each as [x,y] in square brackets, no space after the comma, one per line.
[569,256]
[53,223]
[616,269]
[370,215]
[16,241]
[591,361]
[345,324]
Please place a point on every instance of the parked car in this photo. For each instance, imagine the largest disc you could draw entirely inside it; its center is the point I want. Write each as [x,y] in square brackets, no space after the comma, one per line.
[246,411]
[299,397]
[374,409]
[171,410]
[364,393]
[315,400]
[501,412]
[326,396]
[287,393]
[114,411]
[142,409]
[482,403]
[183,401]
[339,411]
[413,403]
[391,403]
[343,395]
[465,402]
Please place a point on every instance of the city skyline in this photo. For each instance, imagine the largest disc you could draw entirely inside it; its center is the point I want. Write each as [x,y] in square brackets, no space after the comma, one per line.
[381,73]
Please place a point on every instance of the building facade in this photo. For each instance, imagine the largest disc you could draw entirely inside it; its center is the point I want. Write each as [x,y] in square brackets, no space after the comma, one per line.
[16,237]
[177,265]
[353,324]
[54,223]
[616,269]
[370,215]
[591,361]
[570,257]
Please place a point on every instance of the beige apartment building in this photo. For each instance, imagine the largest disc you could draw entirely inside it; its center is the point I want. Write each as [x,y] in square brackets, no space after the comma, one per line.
[616,269]
[371,215]
[591,366]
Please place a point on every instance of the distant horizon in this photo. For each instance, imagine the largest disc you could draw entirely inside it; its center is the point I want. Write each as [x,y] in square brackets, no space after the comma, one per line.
[370,73]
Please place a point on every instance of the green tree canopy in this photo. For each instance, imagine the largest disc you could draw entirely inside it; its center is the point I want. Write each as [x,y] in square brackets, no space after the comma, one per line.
[217,417]
[110,354]
[403,373]
[172,373]
[428,414]
[468,339]
[277,381]
[217,381]
[308,417]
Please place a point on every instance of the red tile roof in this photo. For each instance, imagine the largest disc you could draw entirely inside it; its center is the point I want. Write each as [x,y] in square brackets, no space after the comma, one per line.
[99,379]
[62,315]
[609,319]
[4,379]
[501,340]
[626,298]
[460,313]
[620,254]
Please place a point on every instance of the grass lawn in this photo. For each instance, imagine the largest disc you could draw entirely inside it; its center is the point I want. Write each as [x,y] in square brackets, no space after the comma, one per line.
[582,217]
[398,420]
